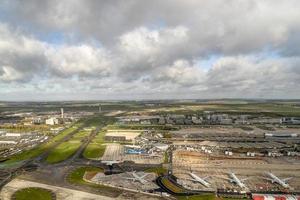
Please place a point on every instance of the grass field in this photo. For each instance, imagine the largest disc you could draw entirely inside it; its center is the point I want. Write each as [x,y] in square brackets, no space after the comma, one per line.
[94,151]
[63,151]
[198,197]
[66,149]
[43,147]
[95,148]
[76,177]
[273,109]
[166,157]
[157,170]
[33,193]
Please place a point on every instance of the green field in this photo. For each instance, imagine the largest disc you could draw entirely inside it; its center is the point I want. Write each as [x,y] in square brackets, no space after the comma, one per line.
[94,151]
[33,193]
[43,147]
[66,149]
[76,177]
[198,197]
[266,108]
[63,151]
[96,147]
[157,170]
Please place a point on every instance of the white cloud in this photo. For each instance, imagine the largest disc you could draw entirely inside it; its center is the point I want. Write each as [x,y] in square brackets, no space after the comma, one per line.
[181,74]
[20,56]
[10,74]
[82,60]
[137,48]
[145,42]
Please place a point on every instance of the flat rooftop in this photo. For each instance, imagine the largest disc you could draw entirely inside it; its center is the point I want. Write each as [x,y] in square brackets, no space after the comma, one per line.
[128,134]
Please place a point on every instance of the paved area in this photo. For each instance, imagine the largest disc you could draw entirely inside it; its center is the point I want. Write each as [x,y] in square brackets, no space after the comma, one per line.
[253,170]
[144,159]
[128,134]
[124,180]
[113,152]
[116,152]
[61,193]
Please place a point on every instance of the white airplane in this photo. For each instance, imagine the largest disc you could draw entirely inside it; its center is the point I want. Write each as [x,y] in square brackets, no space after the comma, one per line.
[110,162]
[196,178]
[138,178]
[236,180]
[275,179]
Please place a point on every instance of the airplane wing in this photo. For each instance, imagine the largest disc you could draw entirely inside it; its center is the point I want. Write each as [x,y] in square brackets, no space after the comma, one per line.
[144,176]
[191,179]
[225,178]
[130,179]
[206,177]
[287,179]
[244,179]
[268,179]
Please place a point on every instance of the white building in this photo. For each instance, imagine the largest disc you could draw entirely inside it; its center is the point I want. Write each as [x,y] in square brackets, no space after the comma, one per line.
[7,142]
[52,121]
[12,134]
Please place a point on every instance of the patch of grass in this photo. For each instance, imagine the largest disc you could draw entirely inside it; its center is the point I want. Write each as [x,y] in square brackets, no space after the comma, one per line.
[94,151]
[66,149]
[80,135]
[76,176]
[198,197]
[167,135]
[33,193]
[95,148]
[227,198]
[166,156]
[157,170]
[66,132]
[63,151]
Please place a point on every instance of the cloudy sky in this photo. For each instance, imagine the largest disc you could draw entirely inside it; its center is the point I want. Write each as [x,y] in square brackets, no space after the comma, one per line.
[141,49]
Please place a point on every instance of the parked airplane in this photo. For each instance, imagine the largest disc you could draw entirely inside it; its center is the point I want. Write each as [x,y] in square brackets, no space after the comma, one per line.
[236,180]
[275,179]
[138,178]
[199,180]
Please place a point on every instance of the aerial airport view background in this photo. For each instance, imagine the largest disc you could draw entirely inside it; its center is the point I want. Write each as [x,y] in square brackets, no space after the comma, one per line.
[149,100]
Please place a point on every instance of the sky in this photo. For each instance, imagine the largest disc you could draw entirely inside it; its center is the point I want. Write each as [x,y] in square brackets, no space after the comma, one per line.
[141,49]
